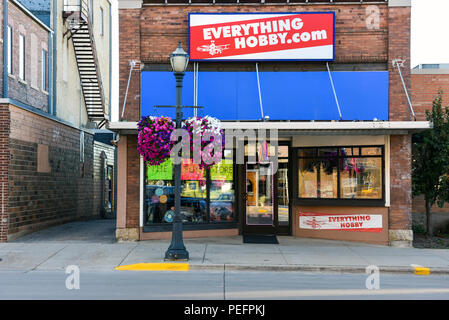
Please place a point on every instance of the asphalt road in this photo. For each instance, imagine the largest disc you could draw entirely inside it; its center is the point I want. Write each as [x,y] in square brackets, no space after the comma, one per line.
[202,285]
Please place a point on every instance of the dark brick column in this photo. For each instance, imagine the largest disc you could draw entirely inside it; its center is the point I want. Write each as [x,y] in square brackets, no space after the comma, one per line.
[130,49]
[133,184]
[400,221]
[129,21]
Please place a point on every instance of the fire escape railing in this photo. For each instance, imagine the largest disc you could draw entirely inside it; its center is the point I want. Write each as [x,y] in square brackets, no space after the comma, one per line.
[77,14]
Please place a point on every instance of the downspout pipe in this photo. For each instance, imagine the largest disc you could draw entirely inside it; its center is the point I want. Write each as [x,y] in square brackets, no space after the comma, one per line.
[110,61]
[5,49]
[400,63]
[55,55]
[50,72]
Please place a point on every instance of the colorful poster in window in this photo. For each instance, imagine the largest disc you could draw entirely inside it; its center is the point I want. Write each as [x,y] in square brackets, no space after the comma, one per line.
[164,171]
[222,171]
[191,171]
[342,222]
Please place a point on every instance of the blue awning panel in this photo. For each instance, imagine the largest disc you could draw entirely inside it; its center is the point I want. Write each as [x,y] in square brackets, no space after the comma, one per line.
[285,95]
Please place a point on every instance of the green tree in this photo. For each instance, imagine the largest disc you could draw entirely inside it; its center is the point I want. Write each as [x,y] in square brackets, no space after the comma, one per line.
[430,169]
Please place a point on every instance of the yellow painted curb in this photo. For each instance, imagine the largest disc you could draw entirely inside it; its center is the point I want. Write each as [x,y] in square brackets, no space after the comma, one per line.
[154,267]
[422,271]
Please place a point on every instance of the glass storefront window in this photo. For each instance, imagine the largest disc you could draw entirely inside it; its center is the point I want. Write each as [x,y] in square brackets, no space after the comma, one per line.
[346,173]
[361,178]
[308,183]
[199,190]
[193,192]
[222,192]
[159,193]
[376,151]
[327,187]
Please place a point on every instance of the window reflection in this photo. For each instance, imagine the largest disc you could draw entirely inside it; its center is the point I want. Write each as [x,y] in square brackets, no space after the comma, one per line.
[348,173]
[328,187]
[361,178]
[193,192]
[159,193]
[307,179]
[222,192]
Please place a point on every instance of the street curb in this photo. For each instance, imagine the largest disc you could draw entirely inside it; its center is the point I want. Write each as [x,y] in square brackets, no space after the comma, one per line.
[310,268]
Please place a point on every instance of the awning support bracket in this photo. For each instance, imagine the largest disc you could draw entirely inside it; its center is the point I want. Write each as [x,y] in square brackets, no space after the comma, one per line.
[400,63]
[132,64]
[258,88]
[333,89]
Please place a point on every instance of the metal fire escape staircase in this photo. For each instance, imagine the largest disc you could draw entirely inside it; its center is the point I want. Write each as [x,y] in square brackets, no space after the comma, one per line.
[76,15]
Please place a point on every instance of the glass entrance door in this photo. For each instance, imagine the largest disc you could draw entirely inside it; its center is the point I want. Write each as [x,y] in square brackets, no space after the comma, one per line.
[282,193]
[266,196]
[259,196]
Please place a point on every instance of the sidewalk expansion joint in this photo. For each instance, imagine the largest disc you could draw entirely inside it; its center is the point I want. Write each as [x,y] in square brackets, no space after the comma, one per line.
[124,258]
[48,258]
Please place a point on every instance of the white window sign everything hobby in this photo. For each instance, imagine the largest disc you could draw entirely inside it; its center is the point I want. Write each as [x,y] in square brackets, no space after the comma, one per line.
[262,36]
[353,222]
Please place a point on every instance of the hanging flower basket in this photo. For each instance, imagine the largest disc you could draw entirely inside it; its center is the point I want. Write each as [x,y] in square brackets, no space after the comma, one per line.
[153,140]
[208,129]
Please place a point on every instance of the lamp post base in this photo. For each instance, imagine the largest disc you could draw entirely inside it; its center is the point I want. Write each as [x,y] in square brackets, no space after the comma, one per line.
[176,255]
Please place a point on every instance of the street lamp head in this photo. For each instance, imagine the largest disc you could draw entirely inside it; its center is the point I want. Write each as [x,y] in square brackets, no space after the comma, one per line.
[179,59]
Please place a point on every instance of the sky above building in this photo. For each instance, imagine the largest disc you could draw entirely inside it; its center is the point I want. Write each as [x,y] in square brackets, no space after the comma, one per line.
[430,24]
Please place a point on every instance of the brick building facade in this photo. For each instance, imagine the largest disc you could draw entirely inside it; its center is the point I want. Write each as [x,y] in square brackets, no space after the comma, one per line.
[369,37]
[31,90]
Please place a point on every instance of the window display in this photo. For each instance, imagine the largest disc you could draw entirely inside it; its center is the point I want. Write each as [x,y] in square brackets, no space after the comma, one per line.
[222,192]
[340,173]
[200,189]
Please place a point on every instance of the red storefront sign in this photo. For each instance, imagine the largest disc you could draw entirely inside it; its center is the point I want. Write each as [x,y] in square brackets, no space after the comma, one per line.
[262,36]
[343,222]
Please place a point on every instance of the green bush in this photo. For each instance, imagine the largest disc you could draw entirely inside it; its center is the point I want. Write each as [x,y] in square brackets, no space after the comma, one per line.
[418,228]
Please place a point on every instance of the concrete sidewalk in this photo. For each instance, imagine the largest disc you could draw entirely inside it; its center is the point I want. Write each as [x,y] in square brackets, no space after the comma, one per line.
[230,253]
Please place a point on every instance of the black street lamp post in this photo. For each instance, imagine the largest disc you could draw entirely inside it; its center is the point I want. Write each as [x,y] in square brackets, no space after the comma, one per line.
[177,251]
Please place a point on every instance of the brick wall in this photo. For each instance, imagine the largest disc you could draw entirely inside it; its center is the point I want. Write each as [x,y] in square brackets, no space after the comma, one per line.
[133,184]
[129,21]
[144,36]
[48,184]
[400,182]
[399,48]
[354,42]
[36,38]
[425,89]
[4,162]
[400,161]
